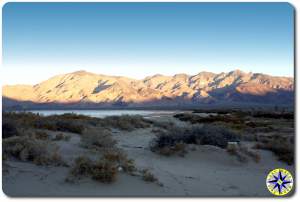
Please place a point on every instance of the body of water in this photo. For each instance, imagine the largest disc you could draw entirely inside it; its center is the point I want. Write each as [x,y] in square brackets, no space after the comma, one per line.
[105,113]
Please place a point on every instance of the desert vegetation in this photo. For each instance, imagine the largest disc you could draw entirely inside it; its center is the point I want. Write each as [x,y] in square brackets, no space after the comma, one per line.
[97,139]
[25,148]
[104,150]
[69,122]
[170,142]
[125,122]
[283,147]
[243,153]
[102,170]
[270,130]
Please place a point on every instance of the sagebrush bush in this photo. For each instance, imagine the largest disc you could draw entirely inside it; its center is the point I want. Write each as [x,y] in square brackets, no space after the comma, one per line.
[41,135]
[204,135]
[66,123]
[166,125]
[82,167]
[97,138]
[148,176]
[192,118]
[25,148]
[61,136]
[178,148]
[280,146]
[242,152]
[126,122]
[9,129]
[273,115]
[102,170]
[120,158]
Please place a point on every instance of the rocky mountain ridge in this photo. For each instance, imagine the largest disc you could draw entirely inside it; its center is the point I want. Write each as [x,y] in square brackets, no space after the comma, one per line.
[84,88]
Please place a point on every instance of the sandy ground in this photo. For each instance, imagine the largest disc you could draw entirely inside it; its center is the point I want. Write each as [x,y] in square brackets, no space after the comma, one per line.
[205,171]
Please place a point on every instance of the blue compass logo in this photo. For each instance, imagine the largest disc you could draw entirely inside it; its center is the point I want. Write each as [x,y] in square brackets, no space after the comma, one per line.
[279,182]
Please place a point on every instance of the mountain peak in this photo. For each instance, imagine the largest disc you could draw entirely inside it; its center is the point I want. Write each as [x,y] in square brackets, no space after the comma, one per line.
[81,72]
[79,86]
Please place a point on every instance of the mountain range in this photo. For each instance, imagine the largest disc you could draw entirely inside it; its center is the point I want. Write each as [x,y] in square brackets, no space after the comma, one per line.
[83,89]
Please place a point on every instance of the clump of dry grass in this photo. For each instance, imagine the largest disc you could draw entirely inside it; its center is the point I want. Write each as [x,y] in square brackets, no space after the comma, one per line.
[9,129]
[65,123]
[105,169]
[102,170]
[252,154]
[173,141]
[243,152]
[82,167]
[178,148]
[97,139]
[148,176]
[29,149]
[120,158]
[61,137]
[126,122]
[41,135]
[166,125]
[192,118]
[280,146]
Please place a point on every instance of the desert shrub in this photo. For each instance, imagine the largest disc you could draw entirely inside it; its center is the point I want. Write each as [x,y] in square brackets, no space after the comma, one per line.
[61,136]
[281,147]
[69,126]
[75,123]
[252,154]
[178,148]
[24,119]
[25,148]
[44,123]
[273,115]
[67,123]
[148,176]
[97,138]
[57,160]
[41,135]
[166,125]
[206,135]
[9,129]
[120,158]
[194,119]
[81,167]
[102,170]
[126,122]
[242,152]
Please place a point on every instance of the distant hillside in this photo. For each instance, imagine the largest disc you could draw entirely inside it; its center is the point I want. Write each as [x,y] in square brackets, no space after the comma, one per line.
[83,89]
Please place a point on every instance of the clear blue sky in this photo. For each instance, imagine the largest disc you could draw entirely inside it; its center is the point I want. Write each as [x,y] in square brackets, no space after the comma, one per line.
[138,39]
